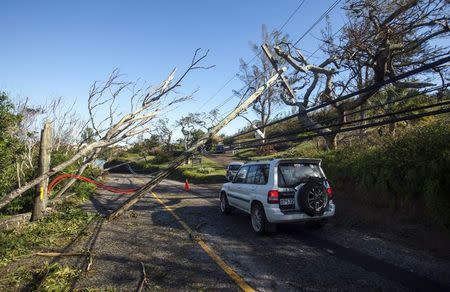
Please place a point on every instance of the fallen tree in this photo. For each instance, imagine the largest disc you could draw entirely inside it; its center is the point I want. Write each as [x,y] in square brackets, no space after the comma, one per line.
[159,176]
[145,105]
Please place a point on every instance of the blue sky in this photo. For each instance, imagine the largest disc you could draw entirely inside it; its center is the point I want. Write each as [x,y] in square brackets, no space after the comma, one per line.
[58,48]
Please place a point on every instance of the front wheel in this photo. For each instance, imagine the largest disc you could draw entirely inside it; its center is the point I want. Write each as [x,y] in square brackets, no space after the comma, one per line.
[225,208]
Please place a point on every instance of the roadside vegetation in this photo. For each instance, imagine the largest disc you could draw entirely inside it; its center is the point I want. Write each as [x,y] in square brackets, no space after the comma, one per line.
[407,171]
[19,157]
[46,277]
[20,269]
[51,233]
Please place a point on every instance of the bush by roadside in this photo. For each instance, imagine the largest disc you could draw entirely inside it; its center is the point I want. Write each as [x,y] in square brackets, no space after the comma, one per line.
[412,168]
[409,171]
[48,234]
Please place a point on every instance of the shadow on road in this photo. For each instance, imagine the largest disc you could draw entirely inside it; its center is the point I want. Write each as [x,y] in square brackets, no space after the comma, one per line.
[236,227]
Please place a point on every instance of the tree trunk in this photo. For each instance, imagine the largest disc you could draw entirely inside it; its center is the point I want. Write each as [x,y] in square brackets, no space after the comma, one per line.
[306,122]
[331,141]
[41,197]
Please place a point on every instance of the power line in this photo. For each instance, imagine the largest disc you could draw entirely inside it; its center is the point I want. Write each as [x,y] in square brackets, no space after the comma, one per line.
[307,31]
[313,128]
[342,27]
[335,3]
[361,91]
[251,60]
[292,15]
[348,129]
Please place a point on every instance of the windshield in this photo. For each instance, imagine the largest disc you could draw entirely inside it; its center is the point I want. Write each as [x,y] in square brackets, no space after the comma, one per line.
[292,174]
[234,167]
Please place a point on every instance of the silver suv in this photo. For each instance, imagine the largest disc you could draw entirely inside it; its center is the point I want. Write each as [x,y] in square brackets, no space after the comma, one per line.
[279,191]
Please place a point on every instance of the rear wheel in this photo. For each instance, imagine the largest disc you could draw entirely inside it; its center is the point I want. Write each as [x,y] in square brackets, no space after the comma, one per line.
[259,220]
[225,208]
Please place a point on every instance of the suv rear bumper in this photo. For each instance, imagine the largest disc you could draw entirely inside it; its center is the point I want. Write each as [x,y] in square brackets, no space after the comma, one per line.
[274,215]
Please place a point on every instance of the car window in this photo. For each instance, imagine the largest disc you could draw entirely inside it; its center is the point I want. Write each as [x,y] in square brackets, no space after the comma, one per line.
[234,167]
[258,174]
[241,175]
[251,174]
[262,175]
[292,174]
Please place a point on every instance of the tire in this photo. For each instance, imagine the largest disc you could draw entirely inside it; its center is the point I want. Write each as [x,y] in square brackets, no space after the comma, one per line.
[225,208]
[313,198]
[259,221]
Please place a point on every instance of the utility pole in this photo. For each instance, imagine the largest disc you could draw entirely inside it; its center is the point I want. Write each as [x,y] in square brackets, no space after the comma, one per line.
[200,142]
[274,63]
[41,197]
[258,132]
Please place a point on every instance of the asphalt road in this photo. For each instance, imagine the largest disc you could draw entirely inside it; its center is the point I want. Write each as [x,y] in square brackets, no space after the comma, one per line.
[295,258]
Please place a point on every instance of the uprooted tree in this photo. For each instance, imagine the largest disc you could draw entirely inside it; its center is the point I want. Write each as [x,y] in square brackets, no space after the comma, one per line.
[146,103]
[381,40]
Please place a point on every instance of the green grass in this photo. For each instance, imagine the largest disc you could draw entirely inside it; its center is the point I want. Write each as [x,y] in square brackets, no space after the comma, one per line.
[53,231]
[47,277]
[127,156]
[207,172]
[305,149]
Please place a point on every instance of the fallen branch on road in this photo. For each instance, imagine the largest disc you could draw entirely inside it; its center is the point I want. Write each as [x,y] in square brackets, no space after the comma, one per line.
[88,254]
[144,280]
[60,254]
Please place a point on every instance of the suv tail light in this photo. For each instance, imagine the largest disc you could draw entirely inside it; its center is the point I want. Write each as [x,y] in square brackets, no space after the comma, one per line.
[272,197]
[328,188]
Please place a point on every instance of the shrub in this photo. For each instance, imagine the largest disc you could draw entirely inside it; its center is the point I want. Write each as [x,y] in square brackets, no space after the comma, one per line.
[412,166]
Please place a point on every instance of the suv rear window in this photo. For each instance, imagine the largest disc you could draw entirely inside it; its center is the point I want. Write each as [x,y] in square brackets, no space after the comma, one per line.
[291,174]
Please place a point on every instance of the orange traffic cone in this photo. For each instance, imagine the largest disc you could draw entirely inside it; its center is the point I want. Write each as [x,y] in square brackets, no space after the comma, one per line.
[186,186]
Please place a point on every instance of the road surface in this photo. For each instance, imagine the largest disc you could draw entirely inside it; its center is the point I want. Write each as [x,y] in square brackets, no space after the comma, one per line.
[186,244]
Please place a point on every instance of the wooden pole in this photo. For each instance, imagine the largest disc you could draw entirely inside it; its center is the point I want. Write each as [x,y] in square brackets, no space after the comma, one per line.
[180,159]
[285,82]
[41,197]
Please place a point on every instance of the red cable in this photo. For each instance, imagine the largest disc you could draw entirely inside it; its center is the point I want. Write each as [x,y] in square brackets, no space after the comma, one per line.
[62,177]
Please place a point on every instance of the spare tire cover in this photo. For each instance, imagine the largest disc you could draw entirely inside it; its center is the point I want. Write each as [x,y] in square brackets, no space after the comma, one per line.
[312,197]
